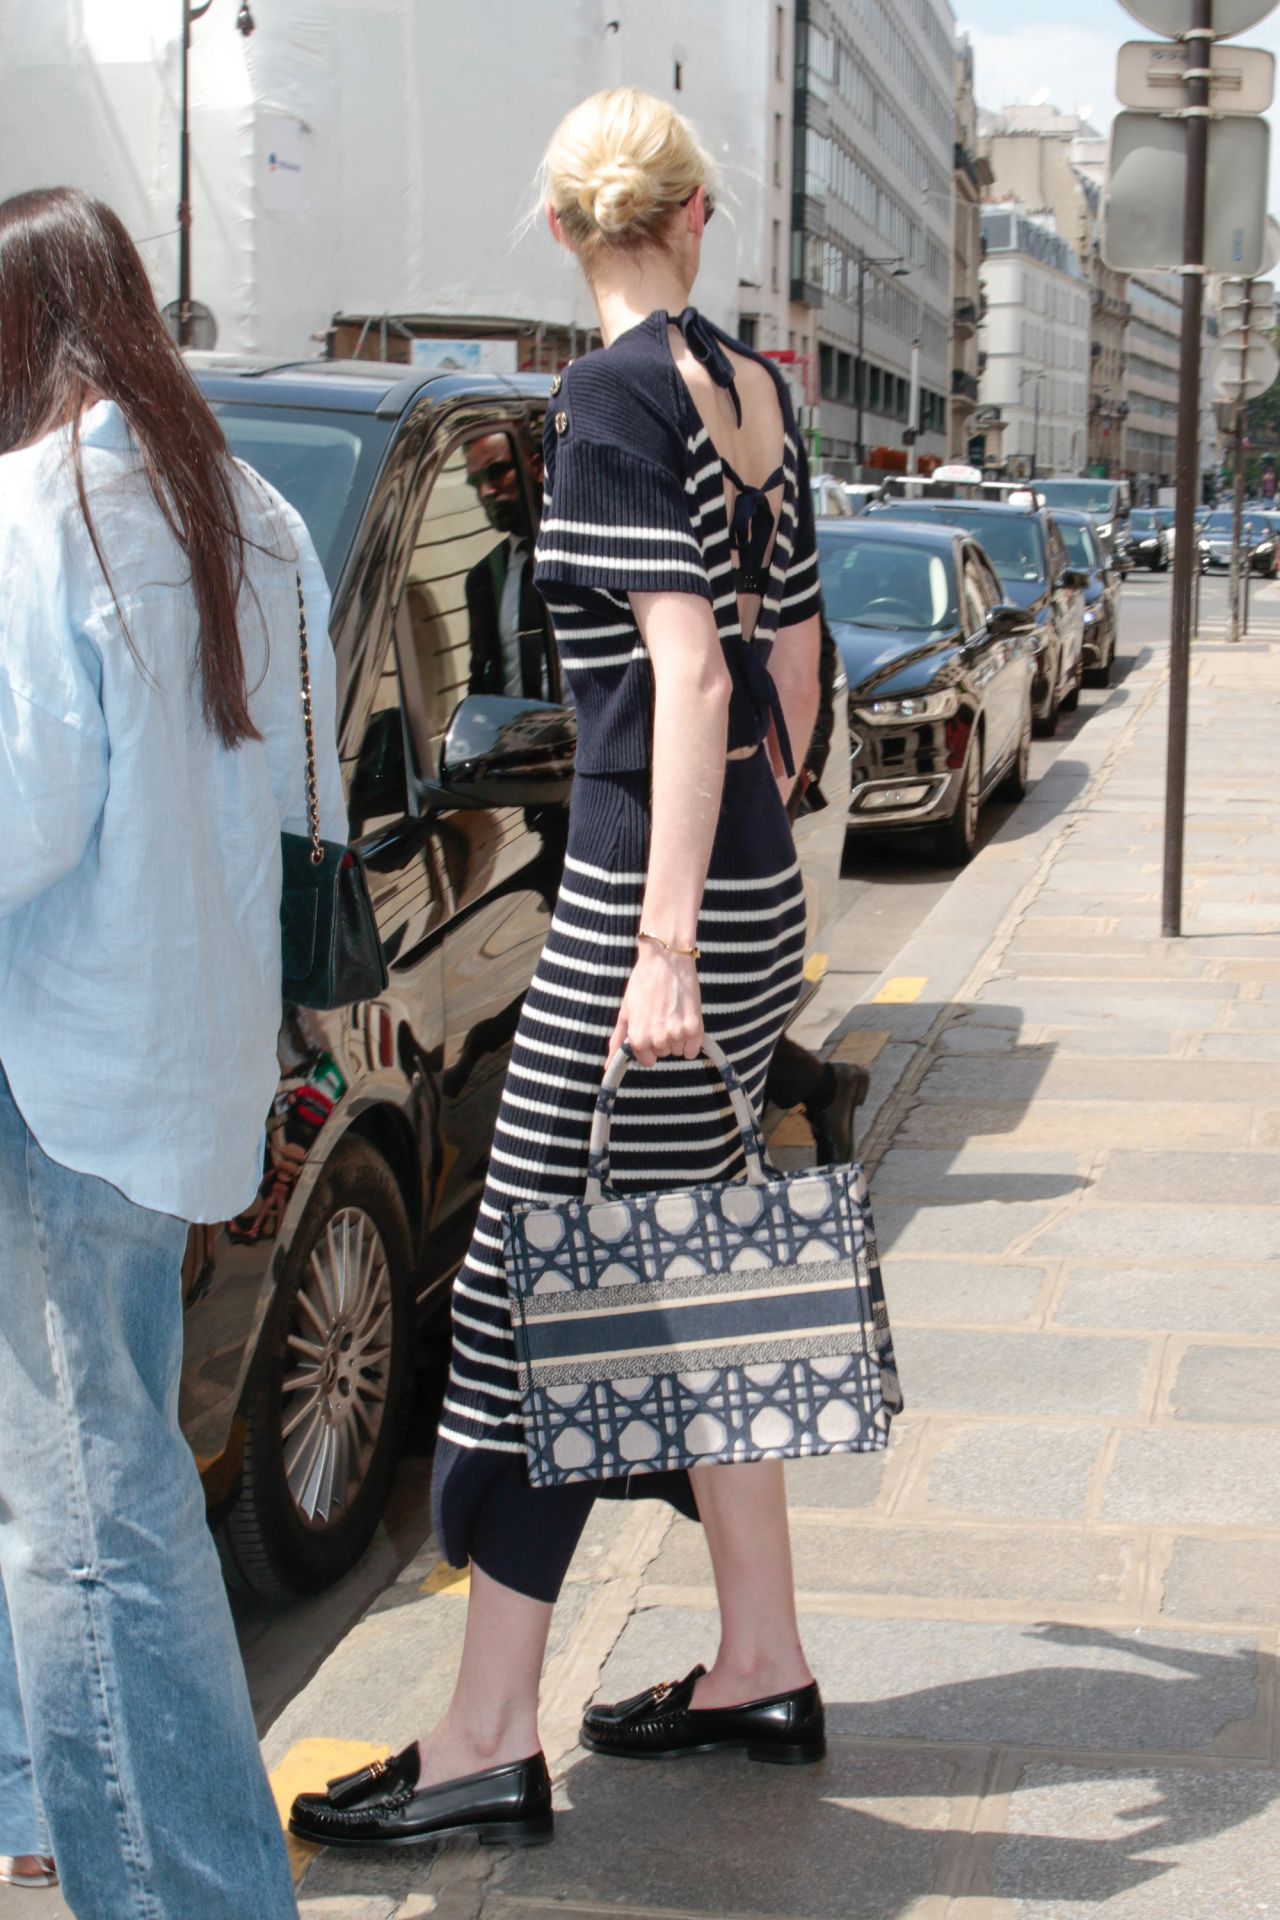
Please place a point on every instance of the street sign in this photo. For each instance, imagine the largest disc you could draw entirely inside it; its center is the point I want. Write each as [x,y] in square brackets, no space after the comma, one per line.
[1244,375]
[1271,246]
[203,334]
[1144,208]
[1234,296]
[1152,74]
[1174,17]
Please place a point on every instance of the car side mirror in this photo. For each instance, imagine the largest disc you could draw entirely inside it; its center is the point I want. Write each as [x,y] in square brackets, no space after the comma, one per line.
[500,752]
[1005,621]
[1074,577]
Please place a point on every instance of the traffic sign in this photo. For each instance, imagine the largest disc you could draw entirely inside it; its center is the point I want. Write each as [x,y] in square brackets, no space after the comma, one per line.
[1174,17]
[1144,208]
[1243,375]
[1152,74]
[1271,246]
[1234,296]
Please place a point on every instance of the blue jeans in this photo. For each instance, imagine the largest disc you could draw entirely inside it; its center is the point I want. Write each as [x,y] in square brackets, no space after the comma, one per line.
[127,1743]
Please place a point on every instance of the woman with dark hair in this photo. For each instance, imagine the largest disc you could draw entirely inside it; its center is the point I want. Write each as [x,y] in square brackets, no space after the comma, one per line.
[151,752]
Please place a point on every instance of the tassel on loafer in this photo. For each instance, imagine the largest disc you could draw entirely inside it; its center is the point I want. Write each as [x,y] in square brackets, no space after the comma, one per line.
[788,1729]
[383,1806]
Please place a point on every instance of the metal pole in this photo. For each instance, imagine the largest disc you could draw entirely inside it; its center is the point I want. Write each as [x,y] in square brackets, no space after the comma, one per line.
[1035,429]
[189,13]
[1248,583]
[860,372]
[1237,523]
[1186,466]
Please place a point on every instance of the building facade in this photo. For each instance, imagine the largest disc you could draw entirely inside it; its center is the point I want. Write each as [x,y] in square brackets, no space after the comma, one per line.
[1155,345]
[970,180]
[1036,155]
[871,224]
[1035,334]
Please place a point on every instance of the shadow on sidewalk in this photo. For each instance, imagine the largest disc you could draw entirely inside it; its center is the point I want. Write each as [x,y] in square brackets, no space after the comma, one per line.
[719,1835]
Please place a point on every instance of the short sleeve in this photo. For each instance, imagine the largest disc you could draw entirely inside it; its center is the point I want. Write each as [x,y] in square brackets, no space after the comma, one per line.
[614,521]
[801,593]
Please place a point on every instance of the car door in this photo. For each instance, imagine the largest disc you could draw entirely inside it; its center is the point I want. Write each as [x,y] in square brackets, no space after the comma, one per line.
[987,657]
[465,625]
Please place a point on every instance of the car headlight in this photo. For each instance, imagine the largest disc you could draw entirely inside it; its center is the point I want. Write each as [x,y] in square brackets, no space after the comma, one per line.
[1104,531]
[1090,615]
[912,706]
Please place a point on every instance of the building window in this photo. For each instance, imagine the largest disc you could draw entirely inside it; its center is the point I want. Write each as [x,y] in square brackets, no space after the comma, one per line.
[779,39]
[777,149]
[678,82]
[748,328]
[873,397]
[775,255]
[826,371]
[844,377]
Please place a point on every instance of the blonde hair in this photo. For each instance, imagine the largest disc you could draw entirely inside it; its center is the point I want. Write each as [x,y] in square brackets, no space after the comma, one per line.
[617,167]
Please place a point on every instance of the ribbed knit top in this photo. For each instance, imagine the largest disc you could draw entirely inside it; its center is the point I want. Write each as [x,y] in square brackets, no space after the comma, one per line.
[635,503]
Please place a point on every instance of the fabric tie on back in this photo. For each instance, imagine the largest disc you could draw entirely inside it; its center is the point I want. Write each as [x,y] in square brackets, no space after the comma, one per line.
[749,661]
[708,352]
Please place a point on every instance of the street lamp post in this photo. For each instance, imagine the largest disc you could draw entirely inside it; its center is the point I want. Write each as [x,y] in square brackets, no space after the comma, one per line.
[860,381]
[1039,376]
[191,12]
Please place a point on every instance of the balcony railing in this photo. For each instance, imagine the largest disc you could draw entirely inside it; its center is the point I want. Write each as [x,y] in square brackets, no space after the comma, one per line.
[966,314]
[964,386]
[967,165]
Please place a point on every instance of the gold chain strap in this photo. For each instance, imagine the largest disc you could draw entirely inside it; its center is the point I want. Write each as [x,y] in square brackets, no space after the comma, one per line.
[313,798]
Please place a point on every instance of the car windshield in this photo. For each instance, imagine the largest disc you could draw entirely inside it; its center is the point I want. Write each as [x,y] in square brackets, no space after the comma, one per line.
[1219,527]
[1011,540]
[1082,549]
[1166,517]
[885,584]
[323,464]
[1080,494]
[1143,520]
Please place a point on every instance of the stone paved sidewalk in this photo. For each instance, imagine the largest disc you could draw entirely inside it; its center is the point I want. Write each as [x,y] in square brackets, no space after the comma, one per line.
[1046,1621]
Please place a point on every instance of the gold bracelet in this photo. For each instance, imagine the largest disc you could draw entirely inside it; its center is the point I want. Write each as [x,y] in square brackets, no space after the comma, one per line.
[682,953]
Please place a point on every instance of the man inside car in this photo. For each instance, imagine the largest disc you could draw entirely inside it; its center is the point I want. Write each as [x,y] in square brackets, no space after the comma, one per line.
[508,643]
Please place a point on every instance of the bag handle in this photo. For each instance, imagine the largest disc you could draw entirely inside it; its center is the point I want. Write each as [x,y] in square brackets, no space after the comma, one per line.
[313,797]
[598,1183]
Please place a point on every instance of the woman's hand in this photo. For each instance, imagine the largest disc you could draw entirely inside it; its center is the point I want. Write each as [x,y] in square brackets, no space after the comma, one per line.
[661,1012]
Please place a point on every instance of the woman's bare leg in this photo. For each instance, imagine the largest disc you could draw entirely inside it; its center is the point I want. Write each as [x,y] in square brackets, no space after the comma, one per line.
[744,1516]
[492,1718]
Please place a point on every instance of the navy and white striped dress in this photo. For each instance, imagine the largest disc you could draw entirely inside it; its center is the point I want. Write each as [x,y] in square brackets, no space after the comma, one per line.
[635,502]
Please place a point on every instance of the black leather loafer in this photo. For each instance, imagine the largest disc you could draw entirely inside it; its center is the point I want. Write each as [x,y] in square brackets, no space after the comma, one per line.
[382,1806]
[789,1729]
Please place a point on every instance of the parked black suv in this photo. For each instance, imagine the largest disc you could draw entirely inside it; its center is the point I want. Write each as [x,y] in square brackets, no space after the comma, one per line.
[303,1316]
[1026,550]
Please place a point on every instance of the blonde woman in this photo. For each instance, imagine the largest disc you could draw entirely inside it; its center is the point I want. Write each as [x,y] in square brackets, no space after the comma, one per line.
[677,558]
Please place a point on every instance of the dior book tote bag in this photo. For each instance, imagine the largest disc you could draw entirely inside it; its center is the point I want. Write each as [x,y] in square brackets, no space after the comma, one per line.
[743,1320]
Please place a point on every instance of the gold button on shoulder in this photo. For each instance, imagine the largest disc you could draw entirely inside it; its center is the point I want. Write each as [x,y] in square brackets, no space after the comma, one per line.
[556,384]
[562,423]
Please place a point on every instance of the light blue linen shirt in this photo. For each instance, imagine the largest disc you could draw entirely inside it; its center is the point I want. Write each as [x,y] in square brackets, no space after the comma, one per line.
[140,860]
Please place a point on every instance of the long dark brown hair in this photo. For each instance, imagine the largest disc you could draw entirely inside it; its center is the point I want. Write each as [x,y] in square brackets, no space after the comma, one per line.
[79,323]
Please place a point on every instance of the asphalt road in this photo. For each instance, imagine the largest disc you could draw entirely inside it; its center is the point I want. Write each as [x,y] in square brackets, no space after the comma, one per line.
[890,884]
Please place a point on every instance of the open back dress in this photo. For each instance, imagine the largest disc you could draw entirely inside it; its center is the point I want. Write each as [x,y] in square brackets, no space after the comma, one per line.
[635,502]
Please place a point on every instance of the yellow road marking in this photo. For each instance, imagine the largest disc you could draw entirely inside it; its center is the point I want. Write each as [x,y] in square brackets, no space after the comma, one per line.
[305,1767]
[815,967]
[901,990]
[861,1047]
[446,1579]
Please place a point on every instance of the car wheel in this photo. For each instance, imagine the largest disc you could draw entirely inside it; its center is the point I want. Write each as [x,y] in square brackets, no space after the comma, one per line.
[330,1385]
[1071,699]
[1100,676]
[1017,781]
[958,836]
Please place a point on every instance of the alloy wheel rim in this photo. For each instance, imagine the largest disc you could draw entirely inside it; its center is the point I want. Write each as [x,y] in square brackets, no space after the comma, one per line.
[971,803]
[333,1398]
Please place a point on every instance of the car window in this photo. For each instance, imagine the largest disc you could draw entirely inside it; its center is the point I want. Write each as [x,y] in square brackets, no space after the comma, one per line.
[1012,541]
[1057,552]
[884,584]
[977,595]
[323,463]
[1082,548]
[469,619]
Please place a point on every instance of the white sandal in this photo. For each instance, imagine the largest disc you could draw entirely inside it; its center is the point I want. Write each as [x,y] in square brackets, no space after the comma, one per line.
[45,1875]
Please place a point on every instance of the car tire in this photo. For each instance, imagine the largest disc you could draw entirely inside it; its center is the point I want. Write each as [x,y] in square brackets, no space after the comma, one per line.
[958,837]
[322,1432]
[1046,722]
[1071,698]
[1101,676]
[1017,782]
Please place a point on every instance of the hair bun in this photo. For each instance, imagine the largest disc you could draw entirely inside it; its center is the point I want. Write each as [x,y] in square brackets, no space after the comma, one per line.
[617,194]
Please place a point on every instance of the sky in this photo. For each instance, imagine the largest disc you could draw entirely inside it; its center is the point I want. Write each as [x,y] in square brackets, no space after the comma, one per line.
[1065,50]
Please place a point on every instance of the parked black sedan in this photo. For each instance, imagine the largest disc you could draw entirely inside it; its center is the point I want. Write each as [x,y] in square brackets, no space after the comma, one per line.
[940,667]
[1027,553]
[1149,540]
[303,1316]
[1258,545]
[1101,594]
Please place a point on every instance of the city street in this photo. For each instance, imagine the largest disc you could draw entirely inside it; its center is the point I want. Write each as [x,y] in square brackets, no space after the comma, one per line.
[1044,1622]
